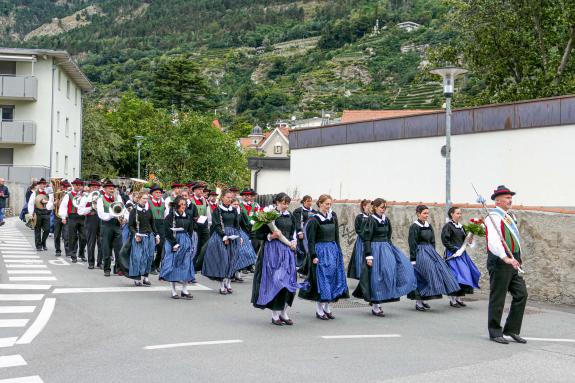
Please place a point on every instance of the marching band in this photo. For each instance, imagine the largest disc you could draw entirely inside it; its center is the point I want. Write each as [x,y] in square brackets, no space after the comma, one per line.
[190,230]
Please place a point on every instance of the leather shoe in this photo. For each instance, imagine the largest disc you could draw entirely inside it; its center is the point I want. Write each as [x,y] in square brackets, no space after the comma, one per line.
[74,260]
[515,337]
[454,305]
[461,304]
[419,308]
[428,307]
[329,315]
[187,296]
[378,313]
[288,322]
[277,322]
[91,267]
[106,273]
[500,339]
[322,317]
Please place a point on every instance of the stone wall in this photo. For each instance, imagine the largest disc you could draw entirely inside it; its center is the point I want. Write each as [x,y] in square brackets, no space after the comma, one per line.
[548,246]
[16,200]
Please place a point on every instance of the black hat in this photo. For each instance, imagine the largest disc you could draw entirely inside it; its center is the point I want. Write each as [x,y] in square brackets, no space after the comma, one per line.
[501,190]
[108,183]
[78,181]
[42,181]
[65,183]
[254,193]
[234,189]
[176,185]
[212,193]
[198,185]
[94,183]
[247,191]
[155,187]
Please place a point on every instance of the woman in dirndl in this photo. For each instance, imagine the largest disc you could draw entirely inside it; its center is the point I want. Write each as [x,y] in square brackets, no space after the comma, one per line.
[144,237]
[387,273]
[275,279]
[179,249]
[326,282]
[434,277]
[454,237]
[247,255]
[223,247]
[356,260]
[302,215]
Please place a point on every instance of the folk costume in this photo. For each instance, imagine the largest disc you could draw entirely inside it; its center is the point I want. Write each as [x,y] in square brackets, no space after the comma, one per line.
[220,258]
[41,209]
[391,275]
[249,208]
[434,277]
[356,261]
[201,218]
[158,208]
[453,237]
[110,230]
[142,225]
[92,228]
[326,280]
[179,250]
[301,215]
[75,228]
[247,256]
[503,277]
[275,277]
[60,230]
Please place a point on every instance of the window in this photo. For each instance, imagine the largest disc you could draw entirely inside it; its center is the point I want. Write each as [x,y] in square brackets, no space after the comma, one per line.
[59,79]
[66,165]
[278,148]
[8,68]
[7,112]
[74,139]
[58,121]
[57,162]
[67,127]
[68,89]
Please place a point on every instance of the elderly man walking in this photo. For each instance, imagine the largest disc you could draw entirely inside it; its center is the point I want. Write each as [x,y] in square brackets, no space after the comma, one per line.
[4,195]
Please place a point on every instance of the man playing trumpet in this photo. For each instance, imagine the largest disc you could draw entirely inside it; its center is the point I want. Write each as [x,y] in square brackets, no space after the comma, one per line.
[111,233]
[70,216]
[40,205]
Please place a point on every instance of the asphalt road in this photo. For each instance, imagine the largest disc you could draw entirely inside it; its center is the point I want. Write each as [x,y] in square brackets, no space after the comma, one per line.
[52,332]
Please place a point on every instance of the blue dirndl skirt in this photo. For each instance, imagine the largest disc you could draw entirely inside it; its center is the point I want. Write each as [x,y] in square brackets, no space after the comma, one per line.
[125,233]
[247,255]
[179,266]
[464,270]
[357,259]
[330,272]
[392,274]
[278,271]
[219,259]
[434,277]
[142,255]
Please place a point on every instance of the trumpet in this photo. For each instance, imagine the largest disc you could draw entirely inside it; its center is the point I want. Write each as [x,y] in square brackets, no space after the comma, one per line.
[93,199]
[117,210]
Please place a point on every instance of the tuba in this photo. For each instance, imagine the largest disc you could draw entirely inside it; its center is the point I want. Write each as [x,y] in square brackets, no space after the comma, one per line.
[118,209]
[58,194]
[40,201]
[137,184]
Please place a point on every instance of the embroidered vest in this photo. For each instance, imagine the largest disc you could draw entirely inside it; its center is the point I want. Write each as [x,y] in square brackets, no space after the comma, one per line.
[202,208]
[71,208]
[157,210]
[107,202]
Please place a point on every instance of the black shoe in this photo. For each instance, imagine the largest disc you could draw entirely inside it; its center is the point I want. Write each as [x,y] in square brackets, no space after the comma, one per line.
[287,322]
[138,283]
[187,296]
[428,307]
[44,248]
[378,314]
[175,296]
[146,283]
[38,248]
[515,337]
[74,260]
[500,339]
[90,267]
[58,254]
[277,322]
[419,308]
[329,315]
[461,304]
[83,259]
[106,273]
[454,305]
[322,317]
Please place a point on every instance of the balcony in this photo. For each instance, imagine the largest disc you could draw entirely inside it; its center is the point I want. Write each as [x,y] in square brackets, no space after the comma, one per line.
[24,88]
[18,132]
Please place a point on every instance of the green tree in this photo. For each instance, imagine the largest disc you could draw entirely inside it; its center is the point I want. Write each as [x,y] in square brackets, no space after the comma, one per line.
[177,82]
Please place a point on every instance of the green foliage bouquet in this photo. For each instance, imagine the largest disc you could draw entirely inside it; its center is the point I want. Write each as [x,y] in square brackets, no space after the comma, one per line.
[476,226]
[267,216]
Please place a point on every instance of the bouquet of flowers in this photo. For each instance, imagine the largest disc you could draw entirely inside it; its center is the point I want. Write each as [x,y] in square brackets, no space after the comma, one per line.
[267,216]
[476,226]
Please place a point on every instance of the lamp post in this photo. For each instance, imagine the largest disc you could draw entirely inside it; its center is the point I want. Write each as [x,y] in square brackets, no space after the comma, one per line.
[139,140]
[448,74]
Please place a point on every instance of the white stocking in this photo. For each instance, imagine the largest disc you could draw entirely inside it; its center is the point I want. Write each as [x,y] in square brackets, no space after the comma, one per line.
[275,315]
[284,312]
[228,283]
[376,307]
[319,308]
[173,286]
[185,287]
[453,299]
[326,308]
[223,285]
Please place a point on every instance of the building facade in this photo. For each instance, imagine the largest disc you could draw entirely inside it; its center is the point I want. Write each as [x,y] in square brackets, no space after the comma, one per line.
[41,102]
[526,146]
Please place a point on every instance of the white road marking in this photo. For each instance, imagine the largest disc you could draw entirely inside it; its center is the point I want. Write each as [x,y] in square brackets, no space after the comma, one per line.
[551,340]
[36,328]
[7,342]
[16,286]
[16,309]
[4,323]
[7,249]
[29,272]
[20,251]
[76,290]
[361,336]
[26,379]
[174,345]
[32,279]
[24,266]
[20,256]
[12,361]
[21,297]
[27,261]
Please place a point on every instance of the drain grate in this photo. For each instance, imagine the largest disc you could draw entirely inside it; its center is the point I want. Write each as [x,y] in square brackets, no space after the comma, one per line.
[350,304]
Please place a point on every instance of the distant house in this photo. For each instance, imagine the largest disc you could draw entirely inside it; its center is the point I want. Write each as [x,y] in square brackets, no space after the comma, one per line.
[350,116]
[409,26]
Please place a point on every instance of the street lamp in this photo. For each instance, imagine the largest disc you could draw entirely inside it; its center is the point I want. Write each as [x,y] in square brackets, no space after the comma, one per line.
[139,140]
[449,74]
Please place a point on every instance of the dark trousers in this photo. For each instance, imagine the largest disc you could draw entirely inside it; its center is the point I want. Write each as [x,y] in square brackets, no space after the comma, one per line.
[76,237]
[60,234]
[203,238]
[161,227]
[92,229]
[111,241]
[42,229]
[503,279]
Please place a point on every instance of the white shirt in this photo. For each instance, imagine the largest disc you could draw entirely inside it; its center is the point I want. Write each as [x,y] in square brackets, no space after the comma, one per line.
[106,216]
[493,239]
[63,209]
[49,205]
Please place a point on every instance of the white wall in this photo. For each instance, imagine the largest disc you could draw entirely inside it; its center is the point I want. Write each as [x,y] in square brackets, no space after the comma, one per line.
[273,181]
[536,163]
[41,112]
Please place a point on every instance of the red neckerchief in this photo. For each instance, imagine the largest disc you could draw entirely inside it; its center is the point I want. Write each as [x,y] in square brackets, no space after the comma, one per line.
[156,204]
[248,206]
[213,205]
[197,201]
[41,192]
[108,199]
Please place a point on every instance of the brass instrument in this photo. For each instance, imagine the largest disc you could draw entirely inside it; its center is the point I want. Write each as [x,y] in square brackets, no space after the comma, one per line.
[118,209]
[40,201]
[58,194]
[137,184]
[93,199]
